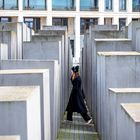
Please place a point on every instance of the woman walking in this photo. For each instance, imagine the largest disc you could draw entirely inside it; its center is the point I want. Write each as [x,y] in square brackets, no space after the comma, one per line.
[76,102]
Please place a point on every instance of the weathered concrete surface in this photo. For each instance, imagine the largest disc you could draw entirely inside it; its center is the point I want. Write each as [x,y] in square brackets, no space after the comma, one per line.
[9,37]
[32,77]
[10,137]
[20,112]
[42,50]
[103,27]
[114,70]
[131,120]
[55,84]
[3,51]
[134,34]
[116,97]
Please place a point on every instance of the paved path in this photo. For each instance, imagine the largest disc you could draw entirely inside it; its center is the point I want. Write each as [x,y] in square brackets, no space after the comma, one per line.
[77,130]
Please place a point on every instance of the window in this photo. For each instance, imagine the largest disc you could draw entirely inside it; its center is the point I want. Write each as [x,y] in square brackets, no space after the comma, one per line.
[72,46]
[5,19]
[33,23]
[108,21]
[122,5]
[88,4]
[63,5]
[1,4]
[122,23]
[136,5]
[135,19]
[86,22]
[9,4]
[60,21]
[108,4]
[34,4]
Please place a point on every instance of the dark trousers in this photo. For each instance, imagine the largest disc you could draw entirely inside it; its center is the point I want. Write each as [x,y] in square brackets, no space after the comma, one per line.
[84,115]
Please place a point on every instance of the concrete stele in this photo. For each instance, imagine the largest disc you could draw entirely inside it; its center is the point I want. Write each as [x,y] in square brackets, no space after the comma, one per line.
[18,106]
[55,84]
[23,77]
[131,120]
[116,97]
[114,70]
[99,45]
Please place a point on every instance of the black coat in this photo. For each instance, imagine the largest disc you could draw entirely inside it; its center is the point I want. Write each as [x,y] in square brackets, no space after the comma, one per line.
[76,100]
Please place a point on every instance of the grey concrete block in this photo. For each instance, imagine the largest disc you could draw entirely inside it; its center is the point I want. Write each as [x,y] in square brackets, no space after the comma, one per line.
[45,51]
[13,34]
[32,77]
[54,38]
[107,34]
[114,70]
[51,34]
[55,28]
[42,50]
[134,33]
[131,128]
[102,45]
[55,85]
[3,51]
[103,27]
[116,97]
[20,112]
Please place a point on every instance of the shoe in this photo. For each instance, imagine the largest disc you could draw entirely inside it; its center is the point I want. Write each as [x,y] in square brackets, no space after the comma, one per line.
[89,121]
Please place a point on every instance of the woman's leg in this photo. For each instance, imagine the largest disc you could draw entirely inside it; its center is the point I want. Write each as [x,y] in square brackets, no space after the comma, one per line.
[69,116]
[85,116]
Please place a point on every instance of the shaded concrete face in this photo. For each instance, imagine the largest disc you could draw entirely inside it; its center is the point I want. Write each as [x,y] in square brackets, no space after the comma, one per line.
[131,120]
[134,33]
[18,106]
[32,77]
[114,70]
[55,91]
[46,38]
[55,28]
[107,34]
[116,97]
[51,32]
[103,27]
[9,37]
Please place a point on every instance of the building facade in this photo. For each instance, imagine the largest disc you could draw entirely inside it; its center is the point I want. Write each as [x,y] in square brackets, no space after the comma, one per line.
[77,15]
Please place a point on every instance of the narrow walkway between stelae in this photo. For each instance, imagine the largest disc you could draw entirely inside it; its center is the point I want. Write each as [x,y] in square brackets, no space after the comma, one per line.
[77,129]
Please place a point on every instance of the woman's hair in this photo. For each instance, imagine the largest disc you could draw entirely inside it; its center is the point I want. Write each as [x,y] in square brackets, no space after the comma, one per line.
[75,69]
